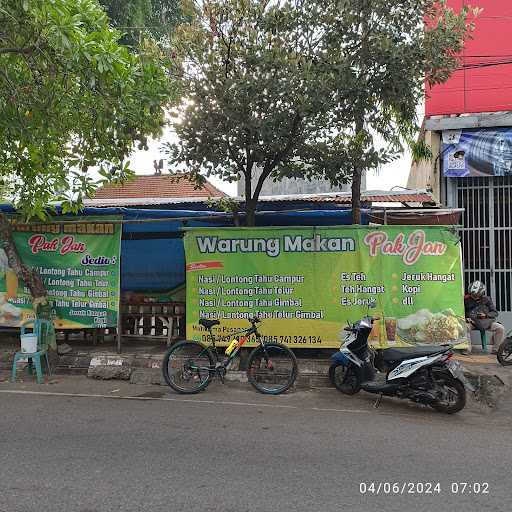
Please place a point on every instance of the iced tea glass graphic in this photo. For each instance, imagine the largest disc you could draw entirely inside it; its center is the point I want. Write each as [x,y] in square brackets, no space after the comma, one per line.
[375,332]
[390,324]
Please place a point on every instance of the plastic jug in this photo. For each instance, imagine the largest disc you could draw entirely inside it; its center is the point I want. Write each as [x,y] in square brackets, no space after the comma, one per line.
[28,343]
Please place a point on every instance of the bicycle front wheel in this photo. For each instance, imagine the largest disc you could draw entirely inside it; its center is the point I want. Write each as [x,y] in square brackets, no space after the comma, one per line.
[272,368]
[187,367]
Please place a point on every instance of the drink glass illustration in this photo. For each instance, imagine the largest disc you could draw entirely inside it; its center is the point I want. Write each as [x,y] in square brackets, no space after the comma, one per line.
[375,332]
[390,329]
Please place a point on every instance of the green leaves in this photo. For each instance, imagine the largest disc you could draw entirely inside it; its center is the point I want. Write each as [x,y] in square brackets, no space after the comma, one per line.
[316,89]
[142,19]
[71,99]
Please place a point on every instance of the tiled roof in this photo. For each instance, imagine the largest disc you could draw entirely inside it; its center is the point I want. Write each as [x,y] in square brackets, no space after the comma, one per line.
[158,185]
[368,196]
[342,198]
[386,197]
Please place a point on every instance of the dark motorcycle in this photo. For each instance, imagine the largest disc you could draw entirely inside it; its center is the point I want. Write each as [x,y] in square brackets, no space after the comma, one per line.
[504,353]
[425,375]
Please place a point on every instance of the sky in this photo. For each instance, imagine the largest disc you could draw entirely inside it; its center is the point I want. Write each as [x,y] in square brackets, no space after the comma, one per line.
[389,176]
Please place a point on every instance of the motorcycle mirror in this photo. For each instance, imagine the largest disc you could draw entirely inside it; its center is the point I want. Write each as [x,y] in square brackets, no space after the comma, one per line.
[372,303]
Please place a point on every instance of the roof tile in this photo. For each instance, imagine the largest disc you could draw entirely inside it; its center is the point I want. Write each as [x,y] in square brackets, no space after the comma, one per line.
[158,185]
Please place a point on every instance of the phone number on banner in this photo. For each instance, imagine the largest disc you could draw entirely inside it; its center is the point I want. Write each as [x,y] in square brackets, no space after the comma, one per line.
[293,339]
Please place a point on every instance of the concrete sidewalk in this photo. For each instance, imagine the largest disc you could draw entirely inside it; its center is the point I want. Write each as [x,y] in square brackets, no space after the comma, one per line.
[478,358]
[142,366]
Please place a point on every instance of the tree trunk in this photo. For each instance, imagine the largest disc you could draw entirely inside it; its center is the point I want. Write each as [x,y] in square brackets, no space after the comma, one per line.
[250,204]
[356,179]
[250,212]
[356,196]
[29,276]
[360,115]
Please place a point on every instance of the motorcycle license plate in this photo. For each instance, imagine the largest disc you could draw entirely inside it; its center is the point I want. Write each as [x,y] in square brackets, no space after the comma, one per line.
[456,370]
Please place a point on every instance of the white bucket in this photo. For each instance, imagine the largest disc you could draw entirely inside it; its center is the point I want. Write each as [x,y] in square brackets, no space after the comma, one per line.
[28,343]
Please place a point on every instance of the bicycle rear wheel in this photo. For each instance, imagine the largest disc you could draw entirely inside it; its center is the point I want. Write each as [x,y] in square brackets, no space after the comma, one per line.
[272,369]
[187,367]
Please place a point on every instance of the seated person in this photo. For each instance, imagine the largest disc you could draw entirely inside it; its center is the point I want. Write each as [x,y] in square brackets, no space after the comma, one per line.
[481,314]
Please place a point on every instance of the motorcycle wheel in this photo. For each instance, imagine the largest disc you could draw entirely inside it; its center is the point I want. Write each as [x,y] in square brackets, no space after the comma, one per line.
[454,399]
[346,379]
[504,354]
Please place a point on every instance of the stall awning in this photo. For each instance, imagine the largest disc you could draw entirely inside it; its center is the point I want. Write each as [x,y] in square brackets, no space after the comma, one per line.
[152,254]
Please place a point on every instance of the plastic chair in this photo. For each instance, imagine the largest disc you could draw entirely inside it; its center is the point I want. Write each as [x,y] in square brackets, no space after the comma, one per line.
[483,337]
[42,330]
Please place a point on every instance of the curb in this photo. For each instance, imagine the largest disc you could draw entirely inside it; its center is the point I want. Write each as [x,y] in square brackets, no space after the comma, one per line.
[146,370]
[490,381]
[489,387]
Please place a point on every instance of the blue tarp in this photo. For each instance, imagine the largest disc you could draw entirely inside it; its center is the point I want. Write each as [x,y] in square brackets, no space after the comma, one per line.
[158,264]
[152,255]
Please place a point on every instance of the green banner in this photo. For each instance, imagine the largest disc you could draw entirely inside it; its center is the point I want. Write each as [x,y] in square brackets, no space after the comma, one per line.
[79,264]
[305,283]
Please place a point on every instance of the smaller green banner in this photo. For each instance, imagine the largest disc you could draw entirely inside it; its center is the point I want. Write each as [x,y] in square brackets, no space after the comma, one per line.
[79,264]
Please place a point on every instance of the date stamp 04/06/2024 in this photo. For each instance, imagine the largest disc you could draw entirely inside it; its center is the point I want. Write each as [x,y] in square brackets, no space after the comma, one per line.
[408,488]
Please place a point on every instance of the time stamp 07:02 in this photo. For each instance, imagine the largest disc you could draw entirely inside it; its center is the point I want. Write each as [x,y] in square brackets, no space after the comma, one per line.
[404,488]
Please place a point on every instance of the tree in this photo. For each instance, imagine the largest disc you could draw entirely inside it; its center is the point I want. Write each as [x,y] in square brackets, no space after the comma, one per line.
[71,98]
[301,88]
[391,50]
[139,18]
[258,96]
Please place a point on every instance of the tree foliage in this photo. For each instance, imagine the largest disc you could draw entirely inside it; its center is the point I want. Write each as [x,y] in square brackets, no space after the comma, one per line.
[140,18]
[71,98]
[390,49]
[305,88]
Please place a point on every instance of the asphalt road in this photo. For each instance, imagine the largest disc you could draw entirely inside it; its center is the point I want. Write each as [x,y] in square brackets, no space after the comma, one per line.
[230,449]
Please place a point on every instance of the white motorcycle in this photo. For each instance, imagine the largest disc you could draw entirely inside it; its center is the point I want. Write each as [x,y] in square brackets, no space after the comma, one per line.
[425,375]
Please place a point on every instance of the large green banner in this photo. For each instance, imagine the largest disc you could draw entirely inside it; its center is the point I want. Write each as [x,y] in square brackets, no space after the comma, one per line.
[79,264]
[305,283]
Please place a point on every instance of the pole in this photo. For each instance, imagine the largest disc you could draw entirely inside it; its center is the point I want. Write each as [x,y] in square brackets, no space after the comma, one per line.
[119,324]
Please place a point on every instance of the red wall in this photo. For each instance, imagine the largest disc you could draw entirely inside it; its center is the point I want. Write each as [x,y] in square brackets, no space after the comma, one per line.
[487,89]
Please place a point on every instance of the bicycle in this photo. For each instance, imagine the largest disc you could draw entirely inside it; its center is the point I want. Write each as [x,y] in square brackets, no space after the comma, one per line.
[188,366]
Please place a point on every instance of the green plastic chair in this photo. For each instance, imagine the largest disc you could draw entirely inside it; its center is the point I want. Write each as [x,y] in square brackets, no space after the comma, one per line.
[42,329]
[483,337]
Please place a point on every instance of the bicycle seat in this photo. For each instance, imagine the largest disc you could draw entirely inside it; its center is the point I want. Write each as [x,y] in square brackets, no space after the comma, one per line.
[208,324]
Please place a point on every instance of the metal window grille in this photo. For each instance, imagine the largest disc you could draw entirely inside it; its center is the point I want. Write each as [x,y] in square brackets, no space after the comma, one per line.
[486,233]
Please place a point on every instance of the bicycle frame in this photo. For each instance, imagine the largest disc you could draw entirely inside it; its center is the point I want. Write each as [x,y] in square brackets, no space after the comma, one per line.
[243,335]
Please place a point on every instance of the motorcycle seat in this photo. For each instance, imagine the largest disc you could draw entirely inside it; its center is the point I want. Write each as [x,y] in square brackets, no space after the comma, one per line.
[399,354]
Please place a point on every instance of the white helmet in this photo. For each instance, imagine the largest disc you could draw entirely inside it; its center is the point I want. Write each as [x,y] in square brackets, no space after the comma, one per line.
[477,288]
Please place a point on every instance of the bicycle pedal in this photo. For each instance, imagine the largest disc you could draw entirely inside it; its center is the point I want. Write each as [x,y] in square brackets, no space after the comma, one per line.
[220,371]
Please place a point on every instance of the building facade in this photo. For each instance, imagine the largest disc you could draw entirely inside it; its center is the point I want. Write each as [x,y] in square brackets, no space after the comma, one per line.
[468,125]
[290,186]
